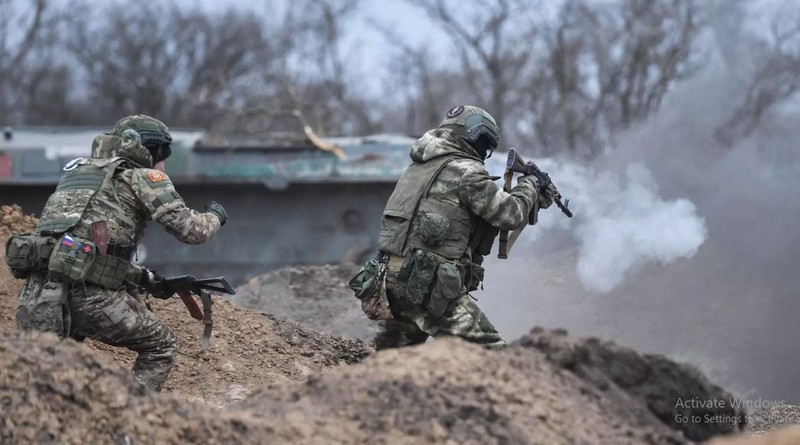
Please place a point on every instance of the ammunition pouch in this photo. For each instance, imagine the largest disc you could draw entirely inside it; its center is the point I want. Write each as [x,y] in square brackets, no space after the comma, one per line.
[446,288]
[124,251]
[27,253]
[70,259]
[476,275]
[76,260]
[434,281]
[369,286]
[111,272]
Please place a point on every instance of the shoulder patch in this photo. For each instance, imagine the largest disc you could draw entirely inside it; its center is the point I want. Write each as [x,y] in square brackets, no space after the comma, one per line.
[156,176]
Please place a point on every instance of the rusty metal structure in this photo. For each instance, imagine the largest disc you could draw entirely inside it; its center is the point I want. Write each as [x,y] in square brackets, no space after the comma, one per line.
[289,202]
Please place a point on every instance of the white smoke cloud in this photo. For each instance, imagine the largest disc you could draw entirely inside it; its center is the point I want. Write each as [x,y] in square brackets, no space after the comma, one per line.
[628,225]
[621,222]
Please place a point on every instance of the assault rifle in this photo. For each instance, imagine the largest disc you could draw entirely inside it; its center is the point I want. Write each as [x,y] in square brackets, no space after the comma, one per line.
[185,286]
[515,164]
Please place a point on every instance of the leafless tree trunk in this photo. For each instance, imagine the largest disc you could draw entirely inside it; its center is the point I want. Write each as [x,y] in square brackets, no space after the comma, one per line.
[775,78]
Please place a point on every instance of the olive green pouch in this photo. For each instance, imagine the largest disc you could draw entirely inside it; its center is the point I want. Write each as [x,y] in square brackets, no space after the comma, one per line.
[423,271]
[26,253]
[447,287]
[369,286]
[72,259]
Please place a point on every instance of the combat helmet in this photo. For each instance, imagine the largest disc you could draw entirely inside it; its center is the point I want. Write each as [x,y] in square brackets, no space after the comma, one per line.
[151,133]
[471,123]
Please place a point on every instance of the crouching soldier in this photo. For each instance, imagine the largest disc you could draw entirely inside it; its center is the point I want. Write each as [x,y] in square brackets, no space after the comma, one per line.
[81,282]
[439,223]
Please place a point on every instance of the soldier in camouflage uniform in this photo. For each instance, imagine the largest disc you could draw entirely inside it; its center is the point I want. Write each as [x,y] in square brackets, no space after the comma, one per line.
[93,224]
[438,225]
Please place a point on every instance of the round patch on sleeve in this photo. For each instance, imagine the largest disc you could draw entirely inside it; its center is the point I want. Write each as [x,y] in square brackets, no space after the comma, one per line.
[455,111]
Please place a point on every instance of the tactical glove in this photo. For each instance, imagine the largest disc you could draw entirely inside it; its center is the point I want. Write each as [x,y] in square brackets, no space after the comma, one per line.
[547,196]
[217,209]
[150,280]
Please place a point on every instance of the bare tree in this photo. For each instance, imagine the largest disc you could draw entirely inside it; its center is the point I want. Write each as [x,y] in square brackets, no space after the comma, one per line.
[494,50]
[33,79]
[611,66]
[567,82]
[775,78]
[178,65]
[315,80]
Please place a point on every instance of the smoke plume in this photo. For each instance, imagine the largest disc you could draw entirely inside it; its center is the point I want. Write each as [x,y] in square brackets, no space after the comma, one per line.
[685,245]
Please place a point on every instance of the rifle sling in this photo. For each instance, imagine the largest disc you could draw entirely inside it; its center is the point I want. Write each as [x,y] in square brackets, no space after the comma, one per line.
[208,322]
[504,244]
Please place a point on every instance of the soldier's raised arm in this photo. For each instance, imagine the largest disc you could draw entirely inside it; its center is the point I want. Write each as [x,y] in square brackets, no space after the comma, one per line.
[164,205]
[485,199]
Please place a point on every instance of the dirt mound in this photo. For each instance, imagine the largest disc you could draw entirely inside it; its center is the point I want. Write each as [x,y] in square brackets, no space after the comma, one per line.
[765,419]
[12,221]
[248,349]
[784,436]
[644,383]
[316,296]
[451,391]
[446,391]
[71,394]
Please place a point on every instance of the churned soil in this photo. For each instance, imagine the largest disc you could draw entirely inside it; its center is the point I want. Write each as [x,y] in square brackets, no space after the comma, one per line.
[270,380]
[248,350]
[317,296]
[444,392]
[12,221]
[645,384]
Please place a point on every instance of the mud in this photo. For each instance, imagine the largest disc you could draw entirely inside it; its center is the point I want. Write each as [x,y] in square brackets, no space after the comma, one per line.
[316,296]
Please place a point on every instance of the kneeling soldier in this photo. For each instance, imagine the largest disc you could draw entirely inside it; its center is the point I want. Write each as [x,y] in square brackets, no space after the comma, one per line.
[81,282]
[439,223]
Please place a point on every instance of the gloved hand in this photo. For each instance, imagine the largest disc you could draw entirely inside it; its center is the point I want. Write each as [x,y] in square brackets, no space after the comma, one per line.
[217,209]
[150,280]
[547,196]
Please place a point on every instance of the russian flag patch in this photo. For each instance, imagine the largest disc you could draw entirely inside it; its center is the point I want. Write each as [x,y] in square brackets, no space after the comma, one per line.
[67,241]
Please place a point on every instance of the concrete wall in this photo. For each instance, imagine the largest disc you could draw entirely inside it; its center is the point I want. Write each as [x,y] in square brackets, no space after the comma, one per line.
[304,224]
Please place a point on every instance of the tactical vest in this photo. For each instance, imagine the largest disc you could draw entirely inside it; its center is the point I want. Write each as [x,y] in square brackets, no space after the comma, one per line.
[86,195]
[83,179]
[411,220]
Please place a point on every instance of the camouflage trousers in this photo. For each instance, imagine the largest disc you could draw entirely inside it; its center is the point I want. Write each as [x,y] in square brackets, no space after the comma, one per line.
[115,318]
[412,325]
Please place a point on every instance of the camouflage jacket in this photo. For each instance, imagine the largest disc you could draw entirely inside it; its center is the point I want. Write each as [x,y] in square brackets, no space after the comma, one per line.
[126,199]
[448,178]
